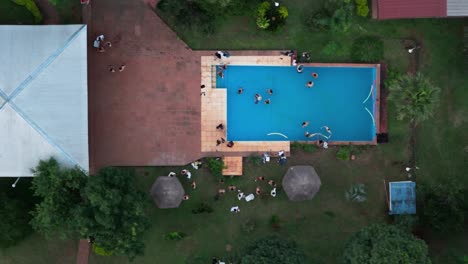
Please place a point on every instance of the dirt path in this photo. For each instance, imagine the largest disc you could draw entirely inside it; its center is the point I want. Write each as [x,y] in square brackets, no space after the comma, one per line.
[51,16]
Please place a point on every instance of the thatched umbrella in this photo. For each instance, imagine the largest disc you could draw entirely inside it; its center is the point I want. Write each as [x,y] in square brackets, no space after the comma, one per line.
[167,192]
[301,183]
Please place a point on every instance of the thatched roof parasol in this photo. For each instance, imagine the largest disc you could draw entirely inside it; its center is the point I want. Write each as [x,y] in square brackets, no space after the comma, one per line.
[301,183]
[167,192]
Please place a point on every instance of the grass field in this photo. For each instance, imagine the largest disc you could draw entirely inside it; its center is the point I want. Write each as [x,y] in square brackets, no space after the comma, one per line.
[322,225]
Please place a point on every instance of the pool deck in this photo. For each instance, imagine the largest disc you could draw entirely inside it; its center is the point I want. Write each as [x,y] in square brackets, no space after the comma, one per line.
[214,108]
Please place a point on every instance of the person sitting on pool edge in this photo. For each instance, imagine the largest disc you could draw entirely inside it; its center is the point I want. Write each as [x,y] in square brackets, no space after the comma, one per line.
[315,75]
[300,68]
[230,144]
[258,98]
[310,84]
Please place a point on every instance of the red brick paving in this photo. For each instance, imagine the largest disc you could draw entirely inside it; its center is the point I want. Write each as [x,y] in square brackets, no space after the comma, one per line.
[83,252]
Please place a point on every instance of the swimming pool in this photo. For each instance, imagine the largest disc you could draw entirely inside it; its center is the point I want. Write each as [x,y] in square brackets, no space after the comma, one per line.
[342,99]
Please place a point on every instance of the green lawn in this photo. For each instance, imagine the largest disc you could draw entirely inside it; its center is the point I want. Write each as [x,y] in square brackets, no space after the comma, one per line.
[322,225]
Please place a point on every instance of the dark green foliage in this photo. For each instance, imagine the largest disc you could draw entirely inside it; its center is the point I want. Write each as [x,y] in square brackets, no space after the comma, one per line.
[175,236]
[255,159]
[415,97]
[344,153]
[382,244]
[334,48]
[114,214]
[202,208]
[334,15]
[190,14]
[330,214]
[367,49]
[216,166]
[271,17]
[392,77]
[273,250]
[356,193]
[319,20]
[100,251]
[405,222]
[310,148]
[59,192]
[362,8]
[15,216]
[444,205]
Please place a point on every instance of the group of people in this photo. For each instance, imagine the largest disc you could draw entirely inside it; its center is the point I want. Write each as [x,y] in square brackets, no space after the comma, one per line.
[221,140]
[102,46]
[321,143]
[188,175]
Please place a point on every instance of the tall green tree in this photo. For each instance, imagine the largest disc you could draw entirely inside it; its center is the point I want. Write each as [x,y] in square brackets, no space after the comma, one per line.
[385,244]
[15,207]
[58,190]
[444,205]
[415,97]
[273,250]
[114,214]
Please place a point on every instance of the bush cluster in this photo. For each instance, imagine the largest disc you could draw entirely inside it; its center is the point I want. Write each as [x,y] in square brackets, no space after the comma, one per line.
[32,7]
[271,17]
[362,9]
[367,49]
[335,15]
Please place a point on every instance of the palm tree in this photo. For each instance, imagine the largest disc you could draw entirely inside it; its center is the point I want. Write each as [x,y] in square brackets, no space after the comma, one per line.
[415,97]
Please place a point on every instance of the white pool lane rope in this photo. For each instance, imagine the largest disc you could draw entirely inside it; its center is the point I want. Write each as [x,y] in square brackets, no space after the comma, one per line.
[373,120]
[370,92]
[276,133]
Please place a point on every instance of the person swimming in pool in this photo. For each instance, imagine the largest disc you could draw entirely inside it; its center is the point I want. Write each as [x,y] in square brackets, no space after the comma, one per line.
[310,84]
[315,75]
[270,91]
[308,135]
[267,101]
[300,68]
[240,90]
[258,98]
[305,123]
[327,129]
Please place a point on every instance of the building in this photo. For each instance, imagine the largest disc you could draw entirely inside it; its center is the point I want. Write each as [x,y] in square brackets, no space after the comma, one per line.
[398,9]
[43,97]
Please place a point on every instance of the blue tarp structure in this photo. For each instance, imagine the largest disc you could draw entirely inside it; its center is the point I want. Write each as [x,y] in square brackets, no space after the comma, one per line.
[402,198]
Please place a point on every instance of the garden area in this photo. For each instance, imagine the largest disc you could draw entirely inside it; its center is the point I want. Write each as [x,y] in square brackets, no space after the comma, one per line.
[29,12]
[430,136]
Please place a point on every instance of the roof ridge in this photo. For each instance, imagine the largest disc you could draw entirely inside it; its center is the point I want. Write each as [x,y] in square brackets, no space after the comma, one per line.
[44,65]
[44,135]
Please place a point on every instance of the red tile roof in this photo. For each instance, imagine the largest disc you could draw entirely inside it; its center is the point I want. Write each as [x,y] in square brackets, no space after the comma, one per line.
[394,9]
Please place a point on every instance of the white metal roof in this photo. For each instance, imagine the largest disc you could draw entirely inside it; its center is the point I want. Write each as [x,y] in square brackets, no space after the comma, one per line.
[43,97]
[457,8]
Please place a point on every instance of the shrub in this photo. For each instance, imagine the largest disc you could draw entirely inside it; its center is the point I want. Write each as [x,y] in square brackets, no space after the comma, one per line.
[392,77]
[319,20]
[356,193]
[273,249]
[367,49]
[32,7]
[175,236]
[362,8]
[405,222]
[334,48]
[344,153]
[309,148]
[202,208]
[269,17]
[255,159]
[100,251]
[14,218]
[216,166]
[192,14]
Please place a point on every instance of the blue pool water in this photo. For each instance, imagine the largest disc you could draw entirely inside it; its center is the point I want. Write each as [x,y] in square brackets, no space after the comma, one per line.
[342,98]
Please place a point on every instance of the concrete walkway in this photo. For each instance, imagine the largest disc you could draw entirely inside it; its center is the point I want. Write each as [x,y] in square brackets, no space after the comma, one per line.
[83,252]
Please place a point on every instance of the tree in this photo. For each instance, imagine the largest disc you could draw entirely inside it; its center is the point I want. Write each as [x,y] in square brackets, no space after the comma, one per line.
[382,244]
[444,205]
[114,214]
[60,199]
[415,97]
[273,250]
[14,219]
